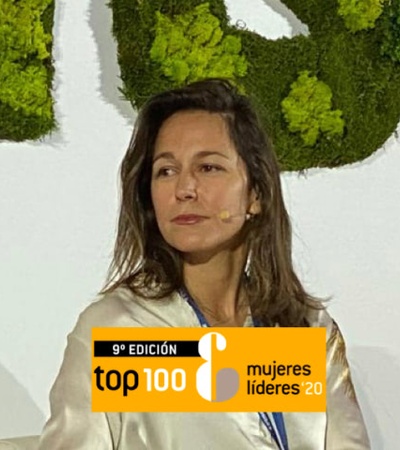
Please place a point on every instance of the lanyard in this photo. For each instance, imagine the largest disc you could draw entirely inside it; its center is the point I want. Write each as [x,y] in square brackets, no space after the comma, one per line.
[278,432]
[276,426]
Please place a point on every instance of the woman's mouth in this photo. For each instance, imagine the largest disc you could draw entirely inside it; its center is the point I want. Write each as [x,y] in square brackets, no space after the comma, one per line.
[188,219]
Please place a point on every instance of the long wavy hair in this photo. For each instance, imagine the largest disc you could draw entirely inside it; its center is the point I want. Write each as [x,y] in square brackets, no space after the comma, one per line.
[150,268]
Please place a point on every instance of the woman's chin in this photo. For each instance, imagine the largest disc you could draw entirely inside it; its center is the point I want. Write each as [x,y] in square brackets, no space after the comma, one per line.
[197,254]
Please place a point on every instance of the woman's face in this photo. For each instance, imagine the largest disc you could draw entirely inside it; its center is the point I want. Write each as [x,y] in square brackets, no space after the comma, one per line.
[198,180]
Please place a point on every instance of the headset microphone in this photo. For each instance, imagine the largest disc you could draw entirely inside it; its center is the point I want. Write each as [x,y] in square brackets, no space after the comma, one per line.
[226,216]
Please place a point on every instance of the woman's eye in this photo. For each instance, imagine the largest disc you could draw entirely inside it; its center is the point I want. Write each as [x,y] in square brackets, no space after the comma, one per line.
[165,172]
[210,168]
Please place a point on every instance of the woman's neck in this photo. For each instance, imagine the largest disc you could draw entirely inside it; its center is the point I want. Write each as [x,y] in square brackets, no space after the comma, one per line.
[216,286]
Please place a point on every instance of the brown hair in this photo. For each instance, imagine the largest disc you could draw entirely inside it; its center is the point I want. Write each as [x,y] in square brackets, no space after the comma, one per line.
[151,268]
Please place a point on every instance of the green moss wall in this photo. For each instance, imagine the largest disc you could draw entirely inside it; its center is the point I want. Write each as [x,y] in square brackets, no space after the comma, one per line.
[26,106]
[363,80]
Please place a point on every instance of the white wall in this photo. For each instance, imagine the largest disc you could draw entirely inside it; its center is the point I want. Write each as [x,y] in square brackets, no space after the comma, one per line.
[58,204]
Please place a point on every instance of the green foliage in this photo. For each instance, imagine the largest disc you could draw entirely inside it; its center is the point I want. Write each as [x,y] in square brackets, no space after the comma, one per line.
[25,71]
[365,85]
[360,14]
[391,31]
[25,90]
[192,46]
[308,109]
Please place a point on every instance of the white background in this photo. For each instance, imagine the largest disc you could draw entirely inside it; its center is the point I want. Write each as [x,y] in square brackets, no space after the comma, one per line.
[58,208]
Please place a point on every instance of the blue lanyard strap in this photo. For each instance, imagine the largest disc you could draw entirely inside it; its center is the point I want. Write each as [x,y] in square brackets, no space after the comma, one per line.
[279,432]
[200,316]
[279,435]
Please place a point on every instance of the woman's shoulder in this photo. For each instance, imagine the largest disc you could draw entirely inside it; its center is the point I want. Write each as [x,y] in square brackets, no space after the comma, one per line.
[122,308]
[105,310]
[321,318]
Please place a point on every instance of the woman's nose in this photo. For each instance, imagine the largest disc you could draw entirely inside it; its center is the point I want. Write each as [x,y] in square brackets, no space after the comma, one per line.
[186,188]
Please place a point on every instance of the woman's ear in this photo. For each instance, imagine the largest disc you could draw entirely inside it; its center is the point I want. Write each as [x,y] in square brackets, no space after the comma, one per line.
[255,204]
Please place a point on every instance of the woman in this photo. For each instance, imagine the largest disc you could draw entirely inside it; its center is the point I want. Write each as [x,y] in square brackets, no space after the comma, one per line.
[203,239]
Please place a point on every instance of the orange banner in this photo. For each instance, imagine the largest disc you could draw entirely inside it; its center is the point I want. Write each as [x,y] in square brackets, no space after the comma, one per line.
[208,369]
